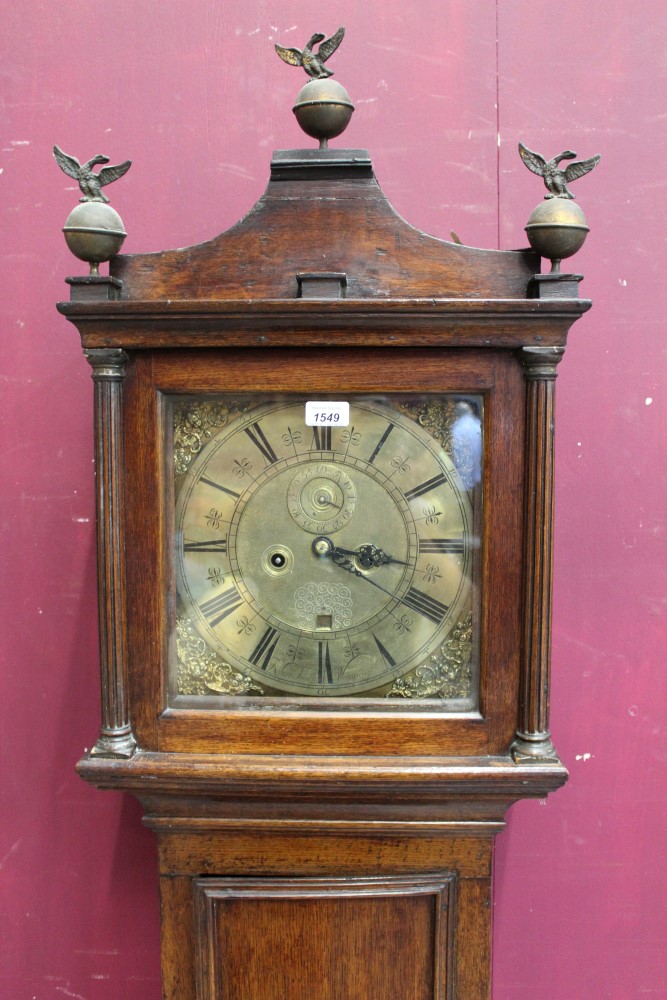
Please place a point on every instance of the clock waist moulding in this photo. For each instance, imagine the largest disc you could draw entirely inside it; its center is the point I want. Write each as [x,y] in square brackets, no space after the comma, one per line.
[325,644]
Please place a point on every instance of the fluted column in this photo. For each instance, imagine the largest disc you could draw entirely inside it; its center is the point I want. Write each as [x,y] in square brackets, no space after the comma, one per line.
[116,738]
[533,739]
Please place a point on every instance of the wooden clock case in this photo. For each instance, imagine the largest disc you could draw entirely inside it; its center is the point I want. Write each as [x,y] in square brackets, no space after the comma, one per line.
[316,852]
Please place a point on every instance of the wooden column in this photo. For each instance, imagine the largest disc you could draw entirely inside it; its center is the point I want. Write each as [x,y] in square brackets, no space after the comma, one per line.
[116,738]
[533,739]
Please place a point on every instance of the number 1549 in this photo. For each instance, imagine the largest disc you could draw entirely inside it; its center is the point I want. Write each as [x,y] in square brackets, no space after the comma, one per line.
[318,412]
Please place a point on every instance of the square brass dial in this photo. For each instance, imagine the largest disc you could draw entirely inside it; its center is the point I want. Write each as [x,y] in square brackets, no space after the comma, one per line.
[336,559]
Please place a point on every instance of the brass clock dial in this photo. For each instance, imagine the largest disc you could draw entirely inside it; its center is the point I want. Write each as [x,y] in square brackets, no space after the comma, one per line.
[323,560]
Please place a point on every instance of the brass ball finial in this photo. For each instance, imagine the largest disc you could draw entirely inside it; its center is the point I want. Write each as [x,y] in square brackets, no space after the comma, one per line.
[323,110]
[93,231]
[557,228]
[323,107]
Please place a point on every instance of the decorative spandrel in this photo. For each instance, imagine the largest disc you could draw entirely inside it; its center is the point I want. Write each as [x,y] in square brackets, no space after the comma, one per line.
[195,423]
[337,559]
[448,673]
[200,671]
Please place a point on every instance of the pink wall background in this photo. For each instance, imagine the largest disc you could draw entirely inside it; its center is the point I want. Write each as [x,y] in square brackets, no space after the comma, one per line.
[194,95]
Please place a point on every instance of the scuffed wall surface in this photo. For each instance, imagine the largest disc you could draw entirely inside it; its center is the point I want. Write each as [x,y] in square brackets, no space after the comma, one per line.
[195,96]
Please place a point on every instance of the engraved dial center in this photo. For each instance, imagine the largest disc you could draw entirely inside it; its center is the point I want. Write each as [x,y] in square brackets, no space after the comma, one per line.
[273,539]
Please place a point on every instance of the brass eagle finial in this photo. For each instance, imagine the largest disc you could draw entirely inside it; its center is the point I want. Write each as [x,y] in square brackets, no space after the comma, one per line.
[555,179]
[313,62]
[90,182]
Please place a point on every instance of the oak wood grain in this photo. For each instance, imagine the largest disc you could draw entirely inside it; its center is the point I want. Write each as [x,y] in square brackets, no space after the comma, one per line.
[533,736]
[347,937]
[249,727]
[116,738]
[315,219]
[400,322]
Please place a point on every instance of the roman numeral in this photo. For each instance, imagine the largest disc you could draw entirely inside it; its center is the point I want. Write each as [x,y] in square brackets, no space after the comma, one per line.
[380,444]
[263,651]
[217,486]
[211,545]
[324,663]
[258,438]
[219,607]
[322,438]
[424,605]
[384,653]
[430,484]
[446,546]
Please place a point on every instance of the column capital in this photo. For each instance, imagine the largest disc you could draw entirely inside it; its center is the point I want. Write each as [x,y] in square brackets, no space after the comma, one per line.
[108,363]
[541,362]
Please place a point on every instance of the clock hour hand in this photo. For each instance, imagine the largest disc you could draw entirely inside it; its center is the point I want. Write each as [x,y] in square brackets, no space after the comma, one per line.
[369,555]
[323,546]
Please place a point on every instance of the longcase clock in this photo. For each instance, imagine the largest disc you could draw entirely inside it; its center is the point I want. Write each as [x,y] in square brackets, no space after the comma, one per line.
[324,465]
